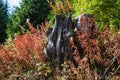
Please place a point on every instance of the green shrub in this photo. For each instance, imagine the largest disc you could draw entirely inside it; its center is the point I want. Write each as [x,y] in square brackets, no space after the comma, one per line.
[106,12]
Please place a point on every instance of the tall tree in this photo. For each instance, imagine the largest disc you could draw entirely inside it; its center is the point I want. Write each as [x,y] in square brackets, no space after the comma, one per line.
[36,10]
[3,20]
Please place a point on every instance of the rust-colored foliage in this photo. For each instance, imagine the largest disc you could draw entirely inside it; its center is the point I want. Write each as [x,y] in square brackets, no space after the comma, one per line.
[109,43]
[86,49]
[23,52]
[60,7]
[4,59]
[4,54]
[92,52]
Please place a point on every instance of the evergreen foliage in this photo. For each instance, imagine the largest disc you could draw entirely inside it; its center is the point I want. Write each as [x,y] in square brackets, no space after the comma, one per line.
[3,20]
[36,10]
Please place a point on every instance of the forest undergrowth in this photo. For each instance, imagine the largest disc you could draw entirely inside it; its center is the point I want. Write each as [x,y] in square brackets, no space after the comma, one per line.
[96,56]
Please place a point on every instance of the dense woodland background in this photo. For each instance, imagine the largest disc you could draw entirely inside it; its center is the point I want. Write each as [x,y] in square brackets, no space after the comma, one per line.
[16,37]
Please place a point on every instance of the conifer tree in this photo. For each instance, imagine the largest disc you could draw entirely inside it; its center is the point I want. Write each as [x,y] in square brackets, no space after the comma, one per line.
[36,10]
[3,20]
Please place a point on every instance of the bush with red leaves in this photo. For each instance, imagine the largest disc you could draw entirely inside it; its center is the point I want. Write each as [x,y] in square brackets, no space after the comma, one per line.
[95,55]
[23,52]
